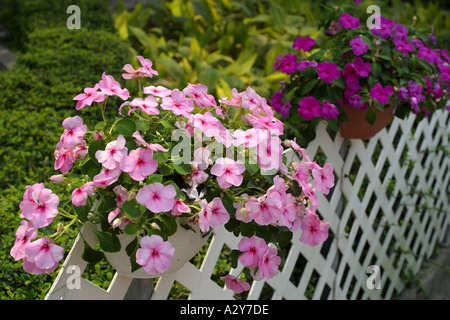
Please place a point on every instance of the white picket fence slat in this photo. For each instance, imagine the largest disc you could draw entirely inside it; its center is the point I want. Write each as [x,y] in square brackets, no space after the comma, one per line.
[375,219]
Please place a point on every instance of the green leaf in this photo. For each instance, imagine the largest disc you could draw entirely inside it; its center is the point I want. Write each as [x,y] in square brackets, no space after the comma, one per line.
[108,241]
[371,116]
[248,229]
[132,209]
[132,247]
[82,212]
[126,127]
[153,178]
[309,86]
[131,228]
[235,254]
[182,168]
[90,255]
[169,224]
[93,147]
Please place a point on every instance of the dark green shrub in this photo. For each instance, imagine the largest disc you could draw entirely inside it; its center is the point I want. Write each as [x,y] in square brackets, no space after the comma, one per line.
[22,17]
[59,64]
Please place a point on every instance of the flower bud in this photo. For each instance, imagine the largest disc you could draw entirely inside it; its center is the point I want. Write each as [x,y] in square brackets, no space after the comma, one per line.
[117,222]
[97,135]
[57,178]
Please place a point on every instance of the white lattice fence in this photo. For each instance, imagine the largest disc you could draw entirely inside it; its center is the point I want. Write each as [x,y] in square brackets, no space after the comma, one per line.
[390,207]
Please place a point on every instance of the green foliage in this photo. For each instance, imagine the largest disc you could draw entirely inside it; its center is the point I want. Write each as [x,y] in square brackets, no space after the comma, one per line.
[22,17]
[222,44]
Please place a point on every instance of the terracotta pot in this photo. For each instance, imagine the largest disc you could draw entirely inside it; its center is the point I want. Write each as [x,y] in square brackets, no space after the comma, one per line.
[186,243]
[359,128]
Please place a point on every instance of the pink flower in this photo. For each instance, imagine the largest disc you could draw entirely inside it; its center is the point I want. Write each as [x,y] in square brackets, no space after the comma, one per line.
[80,195]
[24,234]
[304,43]
[139,164]
[249,138]
[250,99]
[149,105]
[199,93]
[270,153]
[154,254]
[403,45]
[146,68]
[270,123]
[74,132]
[179,208]
[111,87]
[253,250]
[323,178]
[90,95]
[265,210]
[158,91]
[359,46]
[150,146]
[157,197]
[58,178]
[111,157]
[106,177]
[39,205]
[314,231]
[212,215]
[121,194]
[348,22]
[178,103]
[268,265]
[234,284]
[64,158]
[228,172]
[309,108]
[380,93]
[206,123]
[80,151]
[361,68]
[197,177]
[42,256]
[328,71]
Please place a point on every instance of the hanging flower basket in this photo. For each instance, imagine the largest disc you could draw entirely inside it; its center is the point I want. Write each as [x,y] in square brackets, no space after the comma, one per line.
[358,128]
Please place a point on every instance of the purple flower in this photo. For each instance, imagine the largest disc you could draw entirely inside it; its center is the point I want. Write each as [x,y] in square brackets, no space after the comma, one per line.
[403,45]
[352,84]
[329,110]
[380,93]
[304,43]
[328,71]
[401,32]
[286,63]
[349,22]
[286,107]
[355,101]
[361,68]
[386,29]
[309,108]
[359,46]
[276,101]
[427,53]
[303,64]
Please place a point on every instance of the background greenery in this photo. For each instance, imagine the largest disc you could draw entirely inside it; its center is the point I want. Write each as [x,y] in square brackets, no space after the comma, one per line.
[224,44]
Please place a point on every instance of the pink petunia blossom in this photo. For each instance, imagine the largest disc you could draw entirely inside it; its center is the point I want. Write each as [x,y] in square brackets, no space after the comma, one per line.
[154,254]
[268,265]
[64,158]
[271,123]
[42,256]
[197,177]
[73,133]
[199,94]
[90,95]
[112,155]
[121,194]
[212,215]
[111,87]
[314,231]
[329,110]
[348,22]
[139,164]
[106,177]
[304,43]
[178,103]
[157,197]
[146,68]
[179,208]
[39,205]
[380,93]
[234,284]
[249,138]
[24,235]
[158,91]
[359,47]
[253,250]
[206,123]
[270,153]
[328,71]
[228,172]
[149,105]
[264,210]
[80,195]
[323,178]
